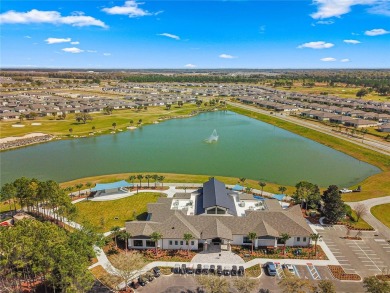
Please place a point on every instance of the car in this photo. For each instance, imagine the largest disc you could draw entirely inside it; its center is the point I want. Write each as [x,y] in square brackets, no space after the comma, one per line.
[241,271]
[142,281]
[226,271]
[183,269]
[176,269]
[345,190]
[234,271]
[156,272]
[205,270]
[219,270]
[134,284]
[198,270]
[149,276]
[190,269]
[271,268]
[212,269]
[290,268]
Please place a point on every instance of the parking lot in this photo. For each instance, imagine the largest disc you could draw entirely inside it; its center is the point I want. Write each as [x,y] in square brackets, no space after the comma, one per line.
[308,272]
[366,257]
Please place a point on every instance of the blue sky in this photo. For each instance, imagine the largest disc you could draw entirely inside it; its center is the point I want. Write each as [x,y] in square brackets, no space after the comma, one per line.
[195,34]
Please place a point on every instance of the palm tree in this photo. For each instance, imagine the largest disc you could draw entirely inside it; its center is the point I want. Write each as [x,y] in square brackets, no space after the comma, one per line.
[283,238]
[115,231]
[315,237]
[140,121]
[188,237]
[155,177]
[252,237]
[155,237]
[131,178]
[242,180]
[131,122]
[161,179]
[123,235]
[88,185]
[248,189]
[114,125]
[262,185]
[140,177]
[79,186]
[147,177]
[282,189]
[93,128]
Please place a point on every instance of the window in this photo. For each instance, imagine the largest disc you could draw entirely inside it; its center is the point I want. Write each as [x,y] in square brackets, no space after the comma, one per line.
[150,243]
[221,211]
[304,239]
[181,242]
[176,242]
[192,242]
[211,211]
[245,239]
[299,239]
[170,242]
[138,243]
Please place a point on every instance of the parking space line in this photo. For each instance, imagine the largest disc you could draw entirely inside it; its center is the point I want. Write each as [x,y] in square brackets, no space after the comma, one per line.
[296,271]
[313,271]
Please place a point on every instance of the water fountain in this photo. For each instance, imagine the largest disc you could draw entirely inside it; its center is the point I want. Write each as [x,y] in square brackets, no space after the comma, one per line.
[213,137]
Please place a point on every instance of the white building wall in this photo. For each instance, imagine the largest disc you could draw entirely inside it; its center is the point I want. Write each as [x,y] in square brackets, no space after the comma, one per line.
[166,244]
[265,242]
[298,241]
[237,240]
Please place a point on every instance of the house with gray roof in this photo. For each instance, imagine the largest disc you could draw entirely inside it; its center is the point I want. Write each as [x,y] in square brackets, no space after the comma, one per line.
[215,215]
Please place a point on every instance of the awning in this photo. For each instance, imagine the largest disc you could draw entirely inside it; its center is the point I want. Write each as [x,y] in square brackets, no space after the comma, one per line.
[237,187]
[114,185]
[279,196]
[258,197]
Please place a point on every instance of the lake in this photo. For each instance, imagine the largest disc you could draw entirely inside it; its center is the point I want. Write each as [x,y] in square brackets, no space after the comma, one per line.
[246,148]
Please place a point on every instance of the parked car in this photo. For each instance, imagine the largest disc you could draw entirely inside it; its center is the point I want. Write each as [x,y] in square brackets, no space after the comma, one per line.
[198,270]
[357,189]
[226,271]
[345,190]
[190,269]
[149,277]
[212,269]
[271,269]
[183,269]
[205,270]
[142,281]
[176,269]
[241,271]
[156,272]
[219,270]
[290,268]
[234,271]
[134,284]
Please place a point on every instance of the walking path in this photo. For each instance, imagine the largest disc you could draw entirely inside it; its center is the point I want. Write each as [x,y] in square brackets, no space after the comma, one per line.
[370,218]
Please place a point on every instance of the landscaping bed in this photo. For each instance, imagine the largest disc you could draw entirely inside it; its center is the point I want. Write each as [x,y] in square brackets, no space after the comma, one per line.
[383,277]
[339,273]
[291,252]
[108,280]
[253,272]
[168,255]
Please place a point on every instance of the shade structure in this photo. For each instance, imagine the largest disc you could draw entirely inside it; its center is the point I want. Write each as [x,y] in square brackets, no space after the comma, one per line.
[279,196]
[237,187]
[114,185]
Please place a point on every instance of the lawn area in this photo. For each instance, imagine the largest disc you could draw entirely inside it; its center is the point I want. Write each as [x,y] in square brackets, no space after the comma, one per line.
[382,213]
[105,215]
[361,224]
[105,278]
[4,206]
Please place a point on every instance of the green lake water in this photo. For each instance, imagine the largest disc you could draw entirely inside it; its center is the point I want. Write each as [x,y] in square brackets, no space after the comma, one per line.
[246,148]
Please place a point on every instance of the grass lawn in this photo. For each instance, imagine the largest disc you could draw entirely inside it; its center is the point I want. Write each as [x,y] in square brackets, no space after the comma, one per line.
[103,214]
[382,213]
[361,224]
[4,206]
[105,278]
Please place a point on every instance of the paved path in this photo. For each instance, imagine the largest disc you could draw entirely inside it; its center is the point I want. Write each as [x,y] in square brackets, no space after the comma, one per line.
[369,218]
[378,146]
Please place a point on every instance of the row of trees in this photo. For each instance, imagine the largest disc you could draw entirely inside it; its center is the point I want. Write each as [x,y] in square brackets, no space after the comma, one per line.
[148,177]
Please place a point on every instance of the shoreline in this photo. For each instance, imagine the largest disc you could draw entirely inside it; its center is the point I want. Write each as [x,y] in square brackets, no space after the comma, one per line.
[13,142]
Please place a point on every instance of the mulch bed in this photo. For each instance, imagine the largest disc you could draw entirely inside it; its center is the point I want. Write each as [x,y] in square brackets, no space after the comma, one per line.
[339,273]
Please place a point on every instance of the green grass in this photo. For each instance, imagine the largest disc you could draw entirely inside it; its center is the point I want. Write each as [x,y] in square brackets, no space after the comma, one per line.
[4,206]
[361,224]
[102,214]
[382,213]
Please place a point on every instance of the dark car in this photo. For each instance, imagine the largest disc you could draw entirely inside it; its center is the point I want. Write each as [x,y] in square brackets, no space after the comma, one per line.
[205,270]
[183,269]
[134,284]
[156,272]
[241,271]
[149,277]
[176,269]
[190,269]
[219,270]
[271,269]
[226,271]
[142,281]
[212,269]
[198,270]
[234,271]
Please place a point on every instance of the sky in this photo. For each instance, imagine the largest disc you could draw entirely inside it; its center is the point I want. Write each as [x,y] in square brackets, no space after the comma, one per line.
[195,34]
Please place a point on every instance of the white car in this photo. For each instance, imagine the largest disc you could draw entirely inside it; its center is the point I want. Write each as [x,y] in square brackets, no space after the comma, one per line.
[290,268]
[345,190]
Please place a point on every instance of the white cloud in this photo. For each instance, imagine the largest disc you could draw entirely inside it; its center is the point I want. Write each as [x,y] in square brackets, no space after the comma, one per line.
[262,29]
[91,51]
[226,56]
[130,8]
[325,22]
[190,65]
[75,43]
[382,8]
[316,45]
[57,40]
[336,8]
[376,32]
[106,54]
[353,42]
[170,36]
[52,17]
[27,37]
[328,59]
[345,60]
[73,50]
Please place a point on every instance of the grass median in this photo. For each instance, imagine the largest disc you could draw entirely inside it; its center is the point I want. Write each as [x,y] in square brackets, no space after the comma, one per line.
[382,213]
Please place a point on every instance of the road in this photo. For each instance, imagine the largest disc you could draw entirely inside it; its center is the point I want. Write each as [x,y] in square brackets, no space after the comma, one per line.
[369,218]
[380,147]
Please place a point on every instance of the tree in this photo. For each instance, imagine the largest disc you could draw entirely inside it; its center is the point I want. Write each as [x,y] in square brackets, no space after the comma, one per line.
[245,284]
[131,122]
[93,128]
[108,110]
[124,236]
[282,189]
[168,106]
[8,192]
[188,237]
[262,185]
[180,103]
[360,210]
[83,117]
[139,121]
[283,238]
[155,237]
[333,204]
[22,117]
[147,177]
[131,178]
[70,130]
[161,179]
[79,186]
[374,285]
[248,189]
[140,177]
[213,284]
[115,232]
[33,115]
[315,237]
[155,178]
[326,286]
[127,266]
[252,237]
[308,193]
[242,180]
[114,125]
[361,93]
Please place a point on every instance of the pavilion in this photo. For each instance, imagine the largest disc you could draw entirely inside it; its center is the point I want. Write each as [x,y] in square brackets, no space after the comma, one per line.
[102,189]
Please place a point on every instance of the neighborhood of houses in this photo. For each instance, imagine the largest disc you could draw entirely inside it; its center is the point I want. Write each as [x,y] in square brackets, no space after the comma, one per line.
[351,112]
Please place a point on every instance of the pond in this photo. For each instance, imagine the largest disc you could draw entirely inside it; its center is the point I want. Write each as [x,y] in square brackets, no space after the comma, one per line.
[244,147]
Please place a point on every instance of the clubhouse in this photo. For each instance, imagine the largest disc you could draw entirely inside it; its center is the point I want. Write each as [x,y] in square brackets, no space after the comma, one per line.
[217,216]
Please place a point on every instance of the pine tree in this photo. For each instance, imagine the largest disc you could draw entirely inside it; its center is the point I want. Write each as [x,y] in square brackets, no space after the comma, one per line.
[333,204]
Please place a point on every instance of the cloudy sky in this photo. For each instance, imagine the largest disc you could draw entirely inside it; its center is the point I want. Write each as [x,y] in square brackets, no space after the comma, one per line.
[195,34]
